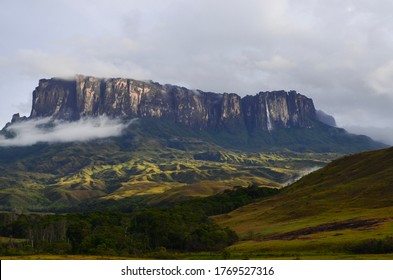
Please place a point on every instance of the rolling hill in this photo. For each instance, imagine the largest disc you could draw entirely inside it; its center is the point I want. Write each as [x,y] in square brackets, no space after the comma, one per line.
[342,209]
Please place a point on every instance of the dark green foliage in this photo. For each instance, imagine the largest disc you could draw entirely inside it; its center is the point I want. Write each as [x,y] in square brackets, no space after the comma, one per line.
[120,234]
[128,205]
[373,246]
[77,232]
[318,138]
[227,201]
[184,227]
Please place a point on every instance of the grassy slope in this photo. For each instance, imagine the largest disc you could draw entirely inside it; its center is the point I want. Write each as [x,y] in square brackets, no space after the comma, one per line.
[348,201]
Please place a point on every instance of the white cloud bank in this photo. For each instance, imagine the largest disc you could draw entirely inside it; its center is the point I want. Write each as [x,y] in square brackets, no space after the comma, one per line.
[37,130]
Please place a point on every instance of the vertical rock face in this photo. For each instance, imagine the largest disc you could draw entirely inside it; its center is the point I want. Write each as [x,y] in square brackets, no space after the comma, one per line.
[89,96]
[55,98]
[277,109]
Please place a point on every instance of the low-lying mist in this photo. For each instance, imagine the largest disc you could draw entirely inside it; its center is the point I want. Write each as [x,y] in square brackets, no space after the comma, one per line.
[30,132]
[382,134]
[301,174]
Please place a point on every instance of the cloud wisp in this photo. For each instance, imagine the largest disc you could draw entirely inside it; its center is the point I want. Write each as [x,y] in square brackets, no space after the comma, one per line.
[27,133]
[301,174]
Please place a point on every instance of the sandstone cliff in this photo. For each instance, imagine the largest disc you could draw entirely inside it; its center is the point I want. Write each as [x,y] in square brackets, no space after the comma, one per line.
[90,96]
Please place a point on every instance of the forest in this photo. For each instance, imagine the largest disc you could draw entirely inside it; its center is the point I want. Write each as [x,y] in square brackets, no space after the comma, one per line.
[183,227]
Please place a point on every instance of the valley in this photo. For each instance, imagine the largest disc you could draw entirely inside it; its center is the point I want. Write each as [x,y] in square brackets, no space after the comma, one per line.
[154,161]
[135,169]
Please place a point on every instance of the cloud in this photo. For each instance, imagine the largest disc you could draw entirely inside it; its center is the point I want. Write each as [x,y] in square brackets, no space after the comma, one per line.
[276,63]
[382,134]
[337,52]
[381,80]
[101,64]
[34,131]
[301,174]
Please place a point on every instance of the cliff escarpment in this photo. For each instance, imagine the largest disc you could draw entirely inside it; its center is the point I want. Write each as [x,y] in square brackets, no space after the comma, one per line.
[89,96]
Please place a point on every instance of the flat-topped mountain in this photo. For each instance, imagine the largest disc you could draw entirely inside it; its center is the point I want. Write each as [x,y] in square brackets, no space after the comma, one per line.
[89,96]
[267,120]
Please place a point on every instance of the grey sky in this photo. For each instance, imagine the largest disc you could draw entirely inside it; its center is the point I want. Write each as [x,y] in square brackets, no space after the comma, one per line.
[338,52]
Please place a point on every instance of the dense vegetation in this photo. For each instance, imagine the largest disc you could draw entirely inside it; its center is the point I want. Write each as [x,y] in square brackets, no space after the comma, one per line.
[373,246]
[183,227]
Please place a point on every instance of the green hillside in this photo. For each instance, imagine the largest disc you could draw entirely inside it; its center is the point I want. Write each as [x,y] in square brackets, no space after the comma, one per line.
[153,160]
[343,209]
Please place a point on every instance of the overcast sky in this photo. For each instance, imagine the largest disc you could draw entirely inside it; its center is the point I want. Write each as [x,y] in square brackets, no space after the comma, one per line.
[338,52]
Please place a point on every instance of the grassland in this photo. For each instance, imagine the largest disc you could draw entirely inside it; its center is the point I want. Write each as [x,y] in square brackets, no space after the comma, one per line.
[62,257]
[328,214]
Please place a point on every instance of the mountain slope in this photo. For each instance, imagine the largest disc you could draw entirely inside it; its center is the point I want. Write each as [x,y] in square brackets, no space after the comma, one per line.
[331,210]
[161,142]
[153,159]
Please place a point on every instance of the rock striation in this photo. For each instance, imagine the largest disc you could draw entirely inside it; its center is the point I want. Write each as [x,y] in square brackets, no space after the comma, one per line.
[86,96]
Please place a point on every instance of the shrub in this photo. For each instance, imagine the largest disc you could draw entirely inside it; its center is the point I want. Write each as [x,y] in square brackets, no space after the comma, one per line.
[373,246]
